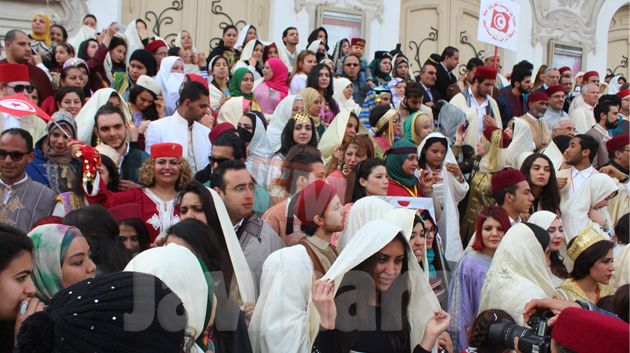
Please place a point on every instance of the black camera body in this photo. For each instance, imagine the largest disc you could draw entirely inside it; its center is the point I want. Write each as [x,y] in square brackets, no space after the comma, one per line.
[534,340]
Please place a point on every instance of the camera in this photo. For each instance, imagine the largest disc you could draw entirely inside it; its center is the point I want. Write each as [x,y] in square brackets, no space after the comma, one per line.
[534,340]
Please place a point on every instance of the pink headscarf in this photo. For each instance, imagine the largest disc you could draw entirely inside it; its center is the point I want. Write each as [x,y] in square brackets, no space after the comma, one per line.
[280,76]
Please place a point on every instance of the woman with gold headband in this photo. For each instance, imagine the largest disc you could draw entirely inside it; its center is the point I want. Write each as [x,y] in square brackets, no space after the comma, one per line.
[592,268]
[312,106]
[40,38]
[385,123]
[494,153]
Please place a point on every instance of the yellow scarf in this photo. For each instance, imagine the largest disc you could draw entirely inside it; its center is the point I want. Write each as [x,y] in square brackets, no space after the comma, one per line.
[44,37]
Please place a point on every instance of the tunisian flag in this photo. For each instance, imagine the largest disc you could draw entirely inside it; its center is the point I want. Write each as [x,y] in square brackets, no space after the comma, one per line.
[20,105]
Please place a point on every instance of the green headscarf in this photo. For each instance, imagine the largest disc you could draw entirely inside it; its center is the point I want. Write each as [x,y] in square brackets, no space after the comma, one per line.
[410,129]
[50,244]
[235,84]
[396,156]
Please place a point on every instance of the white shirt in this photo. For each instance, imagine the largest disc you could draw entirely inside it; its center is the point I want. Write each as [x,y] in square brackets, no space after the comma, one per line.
[10,188]
[481,110]
[579,177]
[10,122]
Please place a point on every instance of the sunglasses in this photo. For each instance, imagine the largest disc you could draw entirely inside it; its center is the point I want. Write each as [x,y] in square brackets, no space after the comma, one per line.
[16,156]
[217,160]
[21,88]
[352,64]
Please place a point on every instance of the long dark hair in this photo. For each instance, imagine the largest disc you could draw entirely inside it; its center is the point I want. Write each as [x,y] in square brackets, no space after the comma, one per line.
[101,231]
[363,170]
[312,81]
[549,195]
[588,258]
[141,230]
[151,112]
[422,158]
[421,217]
[112,184]
[361,312]
[287,136]
[13,242]
[82,52]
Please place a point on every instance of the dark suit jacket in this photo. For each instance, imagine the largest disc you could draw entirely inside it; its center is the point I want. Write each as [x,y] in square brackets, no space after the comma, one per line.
[436,97]
[444,79]
[132,163]
[505,105]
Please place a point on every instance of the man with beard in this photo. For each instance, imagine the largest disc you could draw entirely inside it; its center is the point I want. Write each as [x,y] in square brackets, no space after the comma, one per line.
[607,117]
[477,103]
[183,126]
[513,103]
[320,212]
[412,101]
[110,128]
[554,112]
[537,103]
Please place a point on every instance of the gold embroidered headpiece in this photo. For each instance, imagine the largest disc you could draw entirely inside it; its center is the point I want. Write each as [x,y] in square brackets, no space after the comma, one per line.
[386,118]
[585,238]
[301,118]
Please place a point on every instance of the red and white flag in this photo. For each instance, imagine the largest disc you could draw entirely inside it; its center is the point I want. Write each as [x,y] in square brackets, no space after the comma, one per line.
[20,105]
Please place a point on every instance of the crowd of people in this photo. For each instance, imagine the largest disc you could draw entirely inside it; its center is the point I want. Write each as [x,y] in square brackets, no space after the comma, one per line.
[268,199]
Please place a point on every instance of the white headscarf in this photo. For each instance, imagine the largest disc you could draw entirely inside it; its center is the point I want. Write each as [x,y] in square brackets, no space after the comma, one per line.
[247,52]
[259,153]
[575,210]
[231,111]
[170,82]
[314,46]
[518,273]
[85,118]
[614,85]
[364,210]
[84,33]
[279,119]
[336,131]
[134,42]
[553,152]
[284,304]
[339,84]
[242,35]
[453,193]
[181,271]
[522,142]
[543,219]
[242,273]
[375,235]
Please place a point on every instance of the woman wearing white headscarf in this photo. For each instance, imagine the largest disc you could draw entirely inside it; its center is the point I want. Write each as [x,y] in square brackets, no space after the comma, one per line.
[518,272]
[449,188]
[364,210]
[621,275]
[343,94]
[280,117]
[588,207]
[338,133]
[170,78]
[557,251]
[185,275]
[383,254]
[253,50]
[259,150]
[231,111]
[287,274]
[85,118]
[185,41]
[247,34]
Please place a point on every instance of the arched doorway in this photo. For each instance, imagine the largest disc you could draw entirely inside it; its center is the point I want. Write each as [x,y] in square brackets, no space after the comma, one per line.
[619,43]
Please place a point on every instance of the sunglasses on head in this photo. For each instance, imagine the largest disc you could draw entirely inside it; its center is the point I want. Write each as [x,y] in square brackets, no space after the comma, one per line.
[21,88]
[16,156]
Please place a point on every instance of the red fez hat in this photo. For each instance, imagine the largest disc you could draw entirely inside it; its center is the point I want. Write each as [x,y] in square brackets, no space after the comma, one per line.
[625,92]
[125,211]
[585,331]
[489,131]
[198,78]
[313,201]
[155,45]
[13,72]
[219,129]
[564,69]
[506,178]
[618,142]
[554,89]
[537,96]
[358,41]
[486,72]
[590,74]
[167,149]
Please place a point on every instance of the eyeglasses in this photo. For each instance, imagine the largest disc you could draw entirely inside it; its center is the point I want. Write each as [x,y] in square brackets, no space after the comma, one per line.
[16,156]
[244,187]
[217,160]
[21,88]
[352,64]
